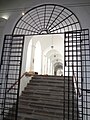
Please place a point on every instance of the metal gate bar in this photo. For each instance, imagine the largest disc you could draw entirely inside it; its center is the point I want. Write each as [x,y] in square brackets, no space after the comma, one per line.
[10,70]
[77,69]
[85,48]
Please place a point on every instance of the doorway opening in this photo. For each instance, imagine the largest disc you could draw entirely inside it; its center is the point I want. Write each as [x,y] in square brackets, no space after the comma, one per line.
[45,54]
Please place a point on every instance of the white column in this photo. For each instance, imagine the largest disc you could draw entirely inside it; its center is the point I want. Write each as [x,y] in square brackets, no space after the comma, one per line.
[32,58]
[48,66]
[51,69]
[43,65]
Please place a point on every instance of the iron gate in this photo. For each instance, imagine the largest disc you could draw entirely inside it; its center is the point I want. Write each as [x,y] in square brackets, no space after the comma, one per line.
[10,70]
[77,68]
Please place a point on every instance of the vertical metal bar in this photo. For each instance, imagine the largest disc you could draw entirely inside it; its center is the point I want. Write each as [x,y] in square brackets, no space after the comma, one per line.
[19,81]
[1,80]
[64,76]
[68,75]
[77,64]
[85,40]
[6,80]
[8,58]
[72,78]
[87,80]
[81,75]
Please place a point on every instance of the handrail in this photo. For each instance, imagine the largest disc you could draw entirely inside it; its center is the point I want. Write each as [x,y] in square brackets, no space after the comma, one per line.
[24,74]
[12,86]
[15,82]
[78,89]
[34,73]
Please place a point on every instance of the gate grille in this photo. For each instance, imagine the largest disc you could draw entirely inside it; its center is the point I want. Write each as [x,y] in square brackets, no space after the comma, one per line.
[10,70]
[77,67]
[47,19]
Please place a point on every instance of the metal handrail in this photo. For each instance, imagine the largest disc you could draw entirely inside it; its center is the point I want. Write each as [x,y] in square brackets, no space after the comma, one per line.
[24,74]
[15,83]
[27,73]
[12,86]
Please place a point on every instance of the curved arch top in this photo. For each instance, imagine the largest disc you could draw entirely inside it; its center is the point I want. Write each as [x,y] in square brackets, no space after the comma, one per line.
[47,19]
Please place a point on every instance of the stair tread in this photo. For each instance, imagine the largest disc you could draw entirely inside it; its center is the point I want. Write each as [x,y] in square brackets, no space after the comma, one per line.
[54,89]
[45,106]
[45,97]
[38,117]
[51,80]
[47,93]
[36,98]
[51,77]
[44,111]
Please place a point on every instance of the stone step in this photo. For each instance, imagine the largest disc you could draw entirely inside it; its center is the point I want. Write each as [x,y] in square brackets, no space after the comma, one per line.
[44,111]
[44,96]
[51,77]
[41,93]
[47,93]
[37,116]
[49,85]
[51,80]
[32,110]
[49,88]
[49,99]
[40,117]
[47,103]
[62,81]
[46,84]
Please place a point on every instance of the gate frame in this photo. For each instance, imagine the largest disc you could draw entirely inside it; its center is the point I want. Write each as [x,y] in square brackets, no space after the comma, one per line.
[78,64]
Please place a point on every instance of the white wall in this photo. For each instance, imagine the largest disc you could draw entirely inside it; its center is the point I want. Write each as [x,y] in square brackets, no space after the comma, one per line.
[24,80]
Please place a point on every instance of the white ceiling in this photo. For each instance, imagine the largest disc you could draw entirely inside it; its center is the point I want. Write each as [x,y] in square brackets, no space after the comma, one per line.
[12,4]
[16,5]
[79,7]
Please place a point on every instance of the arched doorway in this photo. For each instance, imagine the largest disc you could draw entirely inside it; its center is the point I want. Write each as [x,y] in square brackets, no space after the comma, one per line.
[46,19]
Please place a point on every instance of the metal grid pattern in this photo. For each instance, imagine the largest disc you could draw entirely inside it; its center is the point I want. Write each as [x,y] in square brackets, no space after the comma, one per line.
[77,68]
[10,73]
[46,19]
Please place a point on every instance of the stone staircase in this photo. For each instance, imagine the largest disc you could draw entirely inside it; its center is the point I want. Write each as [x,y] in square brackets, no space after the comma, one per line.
[43,99]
